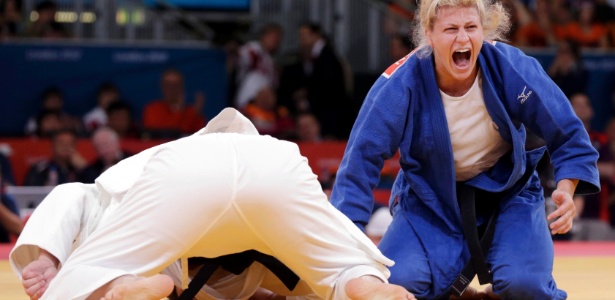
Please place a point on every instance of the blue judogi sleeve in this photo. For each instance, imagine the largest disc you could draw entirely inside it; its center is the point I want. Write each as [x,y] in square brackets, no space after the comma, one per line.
[541,106]
[375,137]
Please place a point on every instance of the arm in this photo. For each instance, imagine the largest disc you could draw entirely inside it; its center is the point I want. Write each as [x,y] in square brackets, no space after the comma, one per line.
[549,115]
[376,136]
[55,225]
[9,218]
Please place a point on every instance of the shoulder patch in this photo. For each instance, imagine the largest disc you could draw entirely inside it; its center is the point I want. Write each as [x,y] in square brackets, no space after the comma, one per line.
[392,68]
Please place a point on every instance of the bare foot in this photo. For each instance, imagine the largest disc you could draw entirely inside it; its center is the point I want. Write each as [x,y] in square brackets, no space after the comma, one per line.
[140,288]
[369,287]
[37,274]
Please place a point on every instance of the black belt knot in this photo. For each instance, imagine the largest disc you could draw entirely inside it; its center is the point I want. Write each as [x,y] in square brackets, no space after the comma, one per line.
[236,264]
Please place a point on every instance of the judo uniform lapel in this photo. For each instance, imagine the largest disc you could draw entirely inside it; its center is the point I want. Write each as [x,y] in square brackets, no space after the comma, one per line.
[512,166]
[438,125]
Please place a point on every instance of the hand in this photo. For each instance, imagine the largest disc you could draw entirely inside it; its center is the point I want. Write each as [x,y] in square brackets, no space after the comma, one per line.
[37,275]
[566,210]
[78,161]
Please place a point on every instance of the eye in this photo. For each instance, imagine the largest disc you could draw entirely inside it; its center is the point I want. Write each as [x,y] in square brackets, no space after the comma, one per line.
[450,29]
[471,27]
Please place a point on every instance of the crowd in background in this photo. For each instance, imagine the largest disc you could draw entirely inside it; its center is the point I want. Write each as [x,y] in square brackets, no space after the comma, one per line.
[308,98]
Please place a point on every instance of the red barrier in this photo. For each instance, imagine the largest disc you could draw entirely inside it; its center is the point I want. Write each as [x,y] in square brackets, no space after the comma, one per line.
[27,151]
[324,158]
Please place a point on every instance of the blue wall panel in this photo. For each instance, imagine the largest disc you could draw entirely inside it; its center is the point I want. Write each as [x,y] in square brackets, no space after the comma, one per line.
[27,70]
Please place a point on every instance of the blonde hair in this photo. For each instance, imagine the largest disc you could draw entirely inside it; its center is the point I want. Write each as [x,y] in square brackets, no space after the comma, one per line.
[493,16]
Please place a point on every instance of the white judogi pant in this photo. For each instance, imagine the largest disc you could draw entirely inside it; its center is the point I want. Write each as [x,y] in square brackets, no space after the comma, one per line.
[207,196]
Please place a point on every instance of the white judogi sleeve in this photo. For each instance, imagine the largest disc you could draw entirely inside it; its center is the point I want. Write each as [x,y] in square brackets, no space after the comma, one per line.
[61,222]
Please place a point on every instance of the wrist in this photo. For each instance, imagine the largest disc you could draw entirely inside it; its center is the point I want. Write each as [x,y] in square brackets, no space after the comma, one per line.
[567,185]
[44,255]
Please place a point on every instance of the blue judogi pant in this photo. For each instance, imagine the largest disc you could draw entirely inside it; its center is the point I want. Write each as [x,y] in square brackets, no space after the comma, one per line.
[520,257]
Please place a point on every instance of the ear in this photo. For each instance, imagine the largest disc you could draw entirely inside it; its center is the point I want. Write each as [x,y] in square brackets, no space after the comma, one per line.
[428,38]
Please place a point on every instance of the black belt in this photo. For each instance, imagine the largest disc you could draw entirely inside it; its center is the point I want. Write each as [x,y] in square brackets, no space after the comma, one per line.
[236,264]
[466,197]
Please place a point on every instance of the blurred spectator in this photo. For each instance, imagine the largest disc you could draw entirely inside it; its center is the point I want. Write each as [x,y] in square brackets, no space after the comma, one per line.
[317,83]
[48,122]
[10,221]
[536,28]
[53,101]
[170,116]
[567,69]
[256,56]
[10,18]
[511,8]
[593,209]
[44,24]
[97,117]
[585,31]
[561,15]
[6,169]
[262,107]
[119,118]
[308,128]
[400,46]
[231,49]
[63,166]
[107,145]
[378,224]
[610,133]
[605,14]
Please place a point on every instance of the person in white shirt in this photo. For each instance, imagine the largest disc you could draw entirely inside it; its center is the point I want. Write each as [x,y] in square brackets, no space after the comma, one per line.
[221,191]
[97,117]
[256,56]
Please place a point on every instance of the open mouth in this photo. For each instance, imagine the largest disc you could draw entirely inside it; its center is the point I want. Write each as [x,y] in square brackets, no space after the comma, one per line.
[461,57]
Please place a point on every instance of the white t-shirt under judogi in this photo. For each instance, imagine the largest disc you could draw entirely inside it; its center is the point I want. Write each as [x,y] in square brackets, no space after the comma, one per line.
[477,145]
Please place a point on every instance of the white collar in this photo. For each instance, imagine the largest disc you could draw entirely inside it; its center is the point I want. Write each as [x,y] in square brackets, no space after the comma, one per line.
[318,46]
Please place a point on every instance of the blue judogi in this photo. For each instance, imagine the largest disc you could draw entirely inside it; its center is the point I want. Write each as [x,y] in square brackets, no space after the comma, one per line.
[403,111]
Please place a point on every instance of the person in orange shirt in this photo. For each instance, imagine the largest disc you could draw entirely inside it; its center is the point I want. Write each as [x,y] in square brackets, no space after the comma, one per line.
[537,28]
[585,31]
[170,116]
[262,107]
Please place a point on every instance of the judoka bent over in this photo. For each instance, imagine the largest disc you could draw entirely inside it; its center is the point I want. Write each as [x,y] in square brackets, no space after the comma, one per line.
[223,190]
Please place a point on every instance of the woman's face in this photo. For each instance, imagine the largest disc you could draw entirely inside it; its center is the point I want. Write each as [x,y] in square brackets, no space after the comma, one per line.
[456,38]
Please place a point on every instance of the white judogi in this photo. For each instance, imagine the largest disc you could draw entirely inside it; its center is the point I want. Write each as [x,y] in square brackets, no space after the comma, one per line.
[207,195]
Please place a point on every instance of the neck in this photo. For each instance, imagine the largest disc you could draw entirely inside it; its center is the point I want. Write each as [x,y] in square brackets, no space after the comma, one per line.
[454,87]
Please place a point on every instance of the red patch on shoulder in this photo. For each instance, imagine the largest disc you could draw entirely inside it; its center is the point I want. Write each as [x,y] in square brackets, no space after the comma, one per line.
[391,69]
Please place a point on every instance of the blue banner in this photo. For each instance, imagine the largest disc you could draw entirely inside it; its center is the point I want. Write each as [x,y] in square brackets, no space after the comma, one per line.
[27,70]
